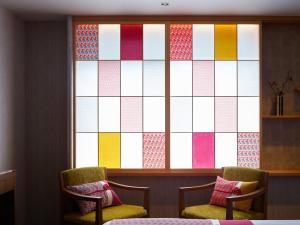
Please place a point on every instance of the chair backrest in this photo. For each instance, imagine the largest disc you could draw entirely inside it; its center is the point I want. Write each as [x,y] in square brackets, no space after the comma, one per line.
[248,174]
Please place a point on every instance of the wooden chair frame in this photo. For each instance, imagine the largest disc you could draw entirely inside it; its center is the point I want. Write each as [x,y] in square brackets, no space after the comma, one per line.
[229,200]
[98,200]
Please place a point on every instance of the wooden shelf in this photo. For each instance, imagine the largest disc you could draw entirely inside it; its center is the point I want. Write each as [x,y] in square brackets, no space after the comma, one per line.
[284,117]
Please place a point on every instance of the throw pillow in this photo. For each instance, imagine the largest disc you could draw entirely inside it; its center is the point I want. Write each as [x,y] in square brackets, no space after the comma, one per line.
[225,188]
[100,189]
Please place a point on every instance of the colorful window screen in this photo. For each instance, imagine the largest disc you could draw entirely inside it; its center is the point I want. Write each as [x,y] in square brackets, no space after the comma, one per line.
[120,95]
[214,95]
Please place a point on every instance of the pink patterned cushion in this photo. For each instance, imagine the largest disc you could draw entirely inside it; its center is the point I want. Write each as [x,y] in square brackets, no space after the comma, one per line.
[100,188]
[223,188]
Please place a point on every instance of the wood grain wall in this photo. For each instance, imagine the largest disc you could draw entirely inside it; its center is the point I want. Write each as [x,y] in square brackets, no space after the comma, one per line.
[46,75]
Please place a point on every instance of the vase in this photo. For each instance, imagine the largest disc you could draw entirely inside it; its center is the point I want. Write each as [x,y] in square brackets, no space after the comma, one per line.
[279,105]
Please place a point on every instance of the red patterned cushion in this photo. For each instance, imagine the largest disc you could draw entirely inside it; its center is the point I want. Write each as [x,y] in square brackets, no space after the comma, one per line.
[100,188]
[223,188]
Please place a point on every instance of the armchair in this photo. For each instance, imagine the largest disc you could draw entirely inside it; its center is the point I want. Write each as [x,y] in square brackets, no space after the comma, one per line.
[259,205]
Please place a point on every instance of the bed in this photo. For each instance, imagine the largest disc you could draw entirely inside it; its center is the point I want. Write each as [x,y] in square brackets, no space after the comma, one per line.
[177,221]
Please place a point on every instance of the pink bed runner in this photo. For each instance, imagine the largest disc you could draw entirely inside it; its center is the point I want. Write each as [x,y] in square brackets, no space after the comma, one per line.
[176,221]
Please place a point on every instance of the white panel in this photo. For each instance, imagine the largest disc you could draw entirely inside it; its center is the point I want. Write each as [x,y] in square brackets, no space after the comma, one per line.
[109,41]
[131,78]
[248,78]
[203,114]
[181,150]
[225,149]
[225,78]
[203,42]
[181,114]
[248,114]
[86,78]
[154,41]
[181,78]
[248,42]
[109,114]
[154,78]
[86,114]
[154,114]
[86,149]
[131,150]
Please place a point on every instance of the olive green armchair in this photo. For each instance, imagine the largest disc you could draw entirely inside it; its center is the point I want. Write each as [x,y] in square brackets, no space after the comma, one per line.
[206,211]
[70,213]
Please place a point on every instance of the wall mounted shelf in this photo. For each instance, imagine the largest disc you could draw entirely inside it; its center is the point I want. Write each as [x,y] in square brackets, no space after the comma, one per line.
[284,117]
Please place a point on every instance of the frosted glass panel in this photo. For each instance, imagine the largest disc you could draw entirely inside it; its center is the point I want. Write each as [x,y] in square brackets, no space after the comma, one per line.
[203,41]
[109,78]
[225,149]
[203,114]
[181,114]
[131,150]
[203,78]
[248,78]
[154,150]
[181,78]
[109,114]
[154,41]
[226,78]
[181,150]
[248,42]
[109,41]
[225,42]
[154,114]
[131,114]
[154,78]
[86,114]
[86,149]
[86,78]
[131,78]
[109,150]
[248,114]
[226,114]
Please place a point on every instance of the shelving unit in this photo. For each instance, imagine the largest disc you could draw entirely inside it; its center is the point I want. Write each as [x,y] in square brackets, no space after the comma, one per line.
[284,117]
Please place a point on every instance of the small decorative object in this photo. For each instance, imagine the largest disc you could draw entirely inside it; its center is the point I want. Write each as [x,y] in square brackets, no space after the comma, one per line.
[279,90]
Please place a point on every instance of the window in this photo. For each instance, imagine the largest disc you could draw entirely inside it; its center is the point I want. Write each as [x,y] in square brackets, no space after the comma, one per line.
[203,99]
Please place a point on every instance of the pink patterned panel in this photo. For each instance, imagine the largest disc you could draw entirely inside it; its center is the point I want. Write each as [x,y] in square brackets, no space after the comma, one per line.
[226,114]
[203,150]
[248,150]
[132,42]
[109,78]
[203,78]
[154,150]
[159,221]
[131,114]
[181,42]
[86,42]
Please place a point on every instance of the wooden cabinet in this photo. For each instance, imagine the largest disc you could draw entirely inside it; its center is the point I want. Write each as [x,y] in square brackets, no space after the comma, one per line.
[7,197]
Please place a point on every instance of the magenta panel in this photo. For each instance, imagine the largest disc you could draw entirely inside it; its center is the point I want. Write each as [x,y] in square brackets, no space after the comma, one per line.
[131,42]
[203,78]
[248,150]
[109,78]
[181,42]
[203,150]
[154,150]
[226,114]
[86,42]
[131,114]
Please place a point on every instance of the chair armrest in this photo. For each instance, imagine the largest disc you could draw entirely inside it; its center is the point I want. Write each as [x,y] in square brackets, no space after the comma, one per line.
[96,199]
[145,190]
[231,199]
[182,191]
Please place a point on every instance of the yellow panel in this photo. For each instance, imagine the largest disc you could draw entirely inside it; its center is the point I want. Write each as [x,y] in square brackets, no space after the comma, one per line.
[109,150]
[225,42]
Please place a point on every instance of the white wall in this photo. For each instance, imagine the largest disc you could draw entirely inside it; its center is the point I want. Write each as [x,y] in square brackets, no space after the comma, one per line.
[12,103]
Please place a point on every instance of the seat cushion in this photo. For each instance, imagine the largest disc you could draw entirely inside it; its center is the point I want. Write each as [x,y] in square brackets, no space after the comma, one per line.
[110,213]
[218,212]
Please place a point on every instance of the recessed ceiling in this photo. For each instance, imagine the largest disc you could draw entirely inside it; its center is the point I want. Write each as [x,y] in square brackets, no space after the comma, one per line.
[57,8]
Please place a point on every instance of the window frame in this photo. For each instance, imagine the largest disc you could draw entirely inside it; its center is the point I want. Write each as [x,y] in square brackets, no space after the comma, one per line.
[167,21]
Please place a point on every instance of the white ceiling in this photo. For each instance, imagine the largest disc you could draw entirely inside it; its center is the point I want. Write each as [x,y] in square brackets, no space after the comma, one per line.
[57,8]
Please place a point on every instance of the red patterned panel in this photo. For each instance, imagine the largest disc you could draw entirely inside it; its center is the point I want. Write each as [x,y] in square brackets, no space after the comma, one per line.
[181,42]
[248,150]
[154,150]
[132,42]
[86,42]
